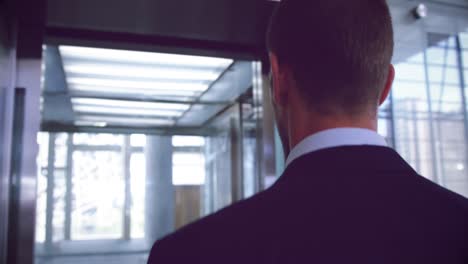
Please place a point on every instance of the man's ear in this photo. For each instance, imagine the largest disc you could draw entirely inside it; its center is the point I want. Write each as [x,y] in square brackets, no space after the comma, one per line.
[279,91]
[388,85]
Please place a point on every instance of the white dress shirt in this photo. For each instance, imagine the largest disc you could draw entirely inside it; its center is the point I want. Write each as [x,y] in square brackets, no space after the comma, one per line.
[336,137]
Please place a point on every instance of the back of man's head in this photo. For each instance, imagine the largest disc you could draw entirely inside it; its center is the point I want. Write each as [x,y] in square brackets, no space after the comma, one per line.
[338,51]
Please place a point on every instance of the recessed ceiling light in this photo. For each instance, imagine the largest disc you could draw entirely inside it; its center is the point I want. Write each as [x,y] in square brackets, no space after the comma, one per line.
[141,57]
[90,123]
[129,104]
[197,87]
[124,121]
[125,111]
[91,89]
[420,11]
[93,70]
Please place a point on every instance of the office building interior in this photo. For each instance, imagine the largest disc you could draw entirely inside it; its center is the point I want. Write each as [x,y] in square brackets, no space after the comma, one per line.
[123,121]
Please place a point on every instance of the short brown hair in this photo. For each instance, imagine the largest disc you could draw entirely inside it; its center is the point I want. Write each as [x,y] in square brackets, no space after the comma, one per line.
[338,50]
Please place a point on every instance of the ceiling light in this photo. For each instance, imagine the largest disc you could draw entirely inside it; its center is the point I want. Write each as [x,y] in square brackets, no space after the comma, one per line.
[129,104]
[126,120]
[197,87]
[90,123]
[90,89]
[420,11]
[141,72]
[141,57]
[125,111]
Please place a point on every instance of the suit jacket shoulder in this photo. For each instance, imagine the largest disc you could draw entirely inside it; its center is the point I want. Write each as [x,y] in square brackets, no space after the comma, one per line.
[342,205]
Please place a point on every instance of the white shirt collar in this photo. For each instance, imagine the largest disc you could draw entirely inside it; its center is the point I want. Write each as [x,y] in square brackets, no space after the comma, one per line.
[335,138]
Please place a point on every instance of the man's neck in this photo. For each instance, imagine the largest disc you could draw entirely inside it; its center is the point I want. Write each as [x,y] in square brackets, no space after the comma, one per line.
[303,128]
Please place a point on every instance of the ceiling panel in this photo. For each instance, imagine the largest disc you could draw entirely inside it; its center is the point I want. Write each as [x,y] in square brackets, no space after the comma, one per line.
[150,89]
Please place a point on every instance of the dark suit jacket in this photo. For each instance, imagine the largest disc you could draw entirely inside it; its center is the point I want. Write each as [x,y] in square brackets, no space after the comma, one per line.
[341,205]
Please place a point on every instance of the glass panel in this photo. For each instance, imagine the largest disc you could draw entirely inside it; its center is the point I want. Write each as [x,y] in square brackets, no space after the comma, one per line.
[188,168]
[97,139]
[137,185]
[138,140]
[417,58]
[249,145]
[43,142]
[43,157]
[383,127]
[98,195]
[97,188]
[221,160]
[464,40]
[409,72]
[443,75]
[41,205]
[188,141]
[61,150]
[465,57]
[429,117]
[58,219]
[442,56]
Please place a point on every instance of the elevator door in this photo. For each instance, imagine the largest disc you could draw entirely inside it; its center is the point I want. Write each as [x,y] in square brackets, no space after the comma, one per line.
[135,145]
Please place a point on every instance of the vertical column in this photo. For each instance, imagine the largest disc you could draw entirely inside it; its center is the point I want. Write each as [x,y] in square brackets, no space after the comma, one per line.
[207,192]
[126,155]
[414,118]
[160,197]
[50,191]
[259,105]
[237,174]
[69,188]
[268,157]
[433,139]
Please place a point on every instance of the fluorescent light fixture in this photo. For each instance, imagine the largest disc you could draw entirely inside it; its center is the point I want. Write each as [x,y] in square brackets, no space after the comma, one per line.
[125,111]
[141,57]
[129,104]
[89,89]
[133,121]
[90,123]
[195,87]
[113,70]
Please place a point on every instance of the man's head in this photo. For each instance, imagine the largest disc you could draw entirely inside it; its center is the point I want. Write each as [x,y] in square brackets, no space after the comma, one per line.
[330,61]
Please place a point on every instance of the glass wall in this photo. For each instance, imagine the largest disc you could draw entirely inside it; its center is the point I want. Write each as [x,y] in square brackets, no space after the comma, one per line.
[98,196]
[428,111]
[90,189]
